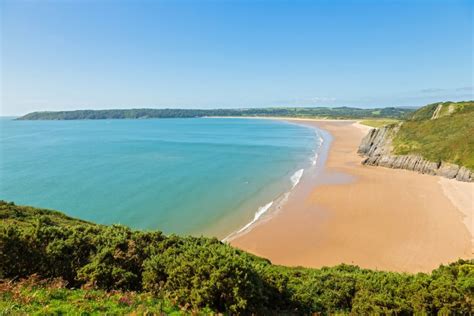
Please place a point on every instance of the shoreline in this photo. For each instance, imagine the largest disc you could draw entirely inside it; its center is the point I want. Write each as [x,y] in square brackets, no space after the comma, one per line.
[266,211]
[374,217]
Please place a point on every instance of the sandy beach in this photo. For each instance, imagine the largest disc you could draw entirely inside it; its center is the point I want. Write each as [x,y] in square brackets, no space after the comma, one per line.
[374,217]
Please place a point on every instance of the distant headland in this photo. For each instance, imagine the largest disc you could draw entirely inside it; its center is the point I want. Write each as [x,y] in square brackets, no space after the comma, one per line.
[302,112]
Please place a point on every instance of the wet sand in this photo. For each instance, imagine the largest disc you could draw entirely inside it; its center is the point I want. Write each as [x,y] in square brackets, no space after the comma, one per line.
[374,217]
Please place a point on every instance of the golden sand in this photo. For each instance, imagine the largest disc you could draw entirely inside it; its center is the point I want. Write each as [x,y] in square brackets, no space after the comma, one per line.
[376,218]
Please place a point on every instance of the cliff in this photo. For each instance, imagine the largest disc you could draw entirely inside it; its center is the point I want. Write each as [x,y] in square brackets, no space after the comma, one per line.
[377,147]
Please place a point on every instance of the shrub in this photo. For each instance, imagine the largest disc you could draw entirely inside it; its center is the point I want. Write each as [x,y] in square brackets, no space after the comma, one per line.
[198,273]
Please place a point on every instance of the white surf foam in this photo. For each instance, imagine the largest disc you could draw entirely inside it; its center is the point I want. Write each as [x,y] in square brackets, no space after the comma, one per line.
[314,158]
[261,210]
[296,177]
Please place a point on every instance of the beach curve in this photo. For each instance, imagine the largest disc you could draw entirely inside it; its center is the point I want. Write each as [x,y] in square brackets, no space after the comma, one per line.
[373,217]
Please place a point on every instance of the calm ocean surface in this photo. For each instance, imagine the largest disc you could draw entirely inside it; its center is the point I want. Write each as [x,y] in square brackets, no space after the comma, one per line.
[184,176]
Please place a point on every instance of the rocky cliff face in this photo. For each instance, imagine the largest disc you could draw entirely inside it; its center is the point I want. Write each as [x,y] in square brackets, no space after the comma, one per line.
[377,148]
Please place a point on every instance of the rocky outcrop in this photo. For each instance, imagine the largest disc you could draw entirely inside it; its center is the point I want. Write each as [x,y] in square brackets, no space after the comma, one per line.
[376,146]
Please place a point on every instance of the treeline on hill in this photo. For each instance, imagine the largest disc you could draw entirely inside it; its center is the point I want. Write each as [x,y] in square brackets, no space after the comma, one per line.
[205,273]
[322,112]
[439,132]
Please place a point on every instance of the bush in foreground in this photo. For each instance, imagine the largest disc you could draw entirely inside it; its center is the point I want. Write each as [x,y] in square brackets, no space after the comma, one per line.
[203,273]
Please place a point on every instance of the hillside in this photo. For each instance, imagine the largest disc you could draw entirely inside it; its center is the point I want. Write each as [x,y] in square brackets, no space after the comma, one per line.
[321,112]
[94,268]
[439,132]
[436,139]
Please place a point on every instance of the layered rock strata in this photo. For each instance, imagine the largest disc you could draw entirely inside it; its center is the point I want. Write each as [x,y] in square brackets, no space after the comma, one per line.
[376,146]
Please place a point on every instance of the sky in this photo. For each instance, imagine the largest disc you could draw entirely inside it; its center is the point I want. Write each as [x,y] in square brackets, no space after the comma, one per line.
[66,55]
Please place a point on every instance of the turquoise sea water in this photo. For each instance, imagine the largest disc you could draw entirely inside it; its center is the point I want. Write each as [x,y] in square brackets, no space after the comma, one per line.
[185,176]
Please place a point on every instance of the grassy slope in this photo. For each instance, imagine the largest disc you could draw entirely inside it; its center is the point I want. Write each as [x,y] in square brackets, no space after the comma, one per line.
[35,296]
[195,273]
[449,138]
[379,122]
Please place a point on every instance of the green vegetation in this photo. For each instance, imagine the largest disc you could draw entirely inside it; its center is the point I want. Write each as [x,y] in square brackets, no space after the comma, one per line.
[319,112]
[439,132]
[113,268]
[379,122]
[52,297]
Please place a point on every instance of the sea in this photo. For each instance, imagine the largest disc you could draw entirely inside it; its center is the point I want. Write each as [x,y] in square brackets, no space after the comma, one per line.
[193,176]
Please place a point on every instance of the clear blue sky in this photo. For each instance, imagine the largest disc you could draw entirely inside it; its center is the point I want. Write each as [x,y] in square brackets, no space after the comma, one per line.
[60,55]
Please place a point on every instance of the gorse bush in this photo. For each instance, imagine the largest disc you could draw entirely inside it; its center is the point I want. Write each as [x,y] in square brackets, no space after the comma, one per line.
[201,271]
[198,273]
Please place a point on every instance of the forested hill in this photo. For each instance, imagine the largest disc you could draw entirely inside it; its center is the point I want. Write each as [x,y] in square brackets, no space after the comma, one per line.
[77,267]
[321,112]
